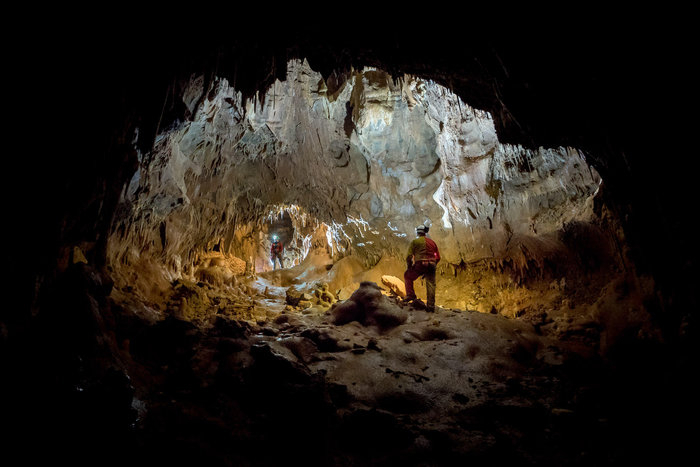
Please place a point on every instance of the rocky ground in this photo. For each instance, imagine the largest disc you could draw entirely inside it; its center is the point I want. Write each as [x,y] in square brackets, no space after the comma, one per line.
[364,381]
[386,384]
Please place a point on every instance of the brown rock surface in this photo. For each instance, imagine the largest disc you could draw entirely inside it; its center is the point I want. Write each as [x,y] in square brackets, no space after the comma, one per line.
[368,306]
[395,284]
[221,183]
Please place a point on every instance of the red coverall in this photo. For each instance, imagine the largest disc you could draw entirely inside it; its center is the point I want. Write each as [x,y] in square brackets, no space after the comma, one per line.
[423,256]
[276,252]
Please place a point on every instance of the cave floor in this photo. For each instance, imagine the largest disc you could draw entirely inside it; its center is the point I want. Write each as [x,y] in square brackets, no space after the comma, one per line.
[249,382]
[442,388]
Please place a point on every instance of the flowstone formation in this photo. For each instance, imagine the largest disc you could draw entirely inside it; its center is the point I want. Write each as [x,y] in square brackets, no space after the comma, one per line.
[354,164]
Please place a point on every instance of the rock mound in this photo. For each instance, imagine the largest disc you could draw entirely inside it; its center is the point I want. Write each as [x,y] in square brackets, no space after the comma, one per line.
[218,269]
[368,306]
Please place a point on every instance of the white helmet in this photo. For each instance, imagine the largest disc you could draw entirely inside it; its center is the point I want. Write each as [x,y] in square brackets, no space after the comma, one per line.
[422,228]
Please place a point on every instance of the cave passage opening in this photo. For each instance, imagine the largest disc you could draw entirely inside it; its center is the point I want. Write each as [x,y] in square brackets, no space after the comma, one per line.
[281,228]
[343,179]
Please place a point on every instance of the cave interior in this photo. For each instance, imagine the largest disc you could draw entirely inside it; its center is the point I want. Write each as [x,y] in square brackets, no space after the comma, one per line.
[550,166]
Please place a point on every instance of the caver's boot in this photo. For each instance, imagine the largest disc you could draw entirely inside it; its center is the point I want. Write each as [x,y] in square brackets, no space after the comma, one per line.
[407,300]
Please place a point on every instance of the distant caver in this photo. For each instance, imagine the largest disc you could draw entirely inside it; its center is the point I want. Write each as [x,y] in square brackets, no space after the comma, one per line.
[277,253]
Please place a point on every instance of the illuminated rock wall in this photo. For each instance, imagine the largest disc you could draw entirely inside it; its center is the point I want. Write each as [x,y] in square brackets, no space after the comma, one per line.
[366,163]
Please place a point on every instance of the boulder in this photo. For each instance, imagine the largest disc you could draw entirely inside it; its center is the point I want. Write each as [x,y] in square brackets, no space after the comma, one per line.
[216,275]
[293,296]
[368,306]
[395,284]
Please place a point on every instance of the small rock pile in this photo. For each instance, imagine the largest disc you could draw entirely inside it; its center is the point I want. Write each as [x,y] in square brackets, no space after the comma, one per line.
[319,298]
[218,269]
[199,302]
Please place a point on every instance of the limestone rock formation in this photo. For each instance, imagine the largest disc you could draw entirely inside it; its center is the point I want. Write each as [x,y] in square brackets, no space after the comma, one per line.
[363,164]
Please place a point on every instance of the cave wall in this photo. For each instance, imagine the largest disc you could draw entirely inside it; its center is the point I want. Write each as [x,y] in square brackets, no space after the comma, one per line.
[627,83]
[369,162]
